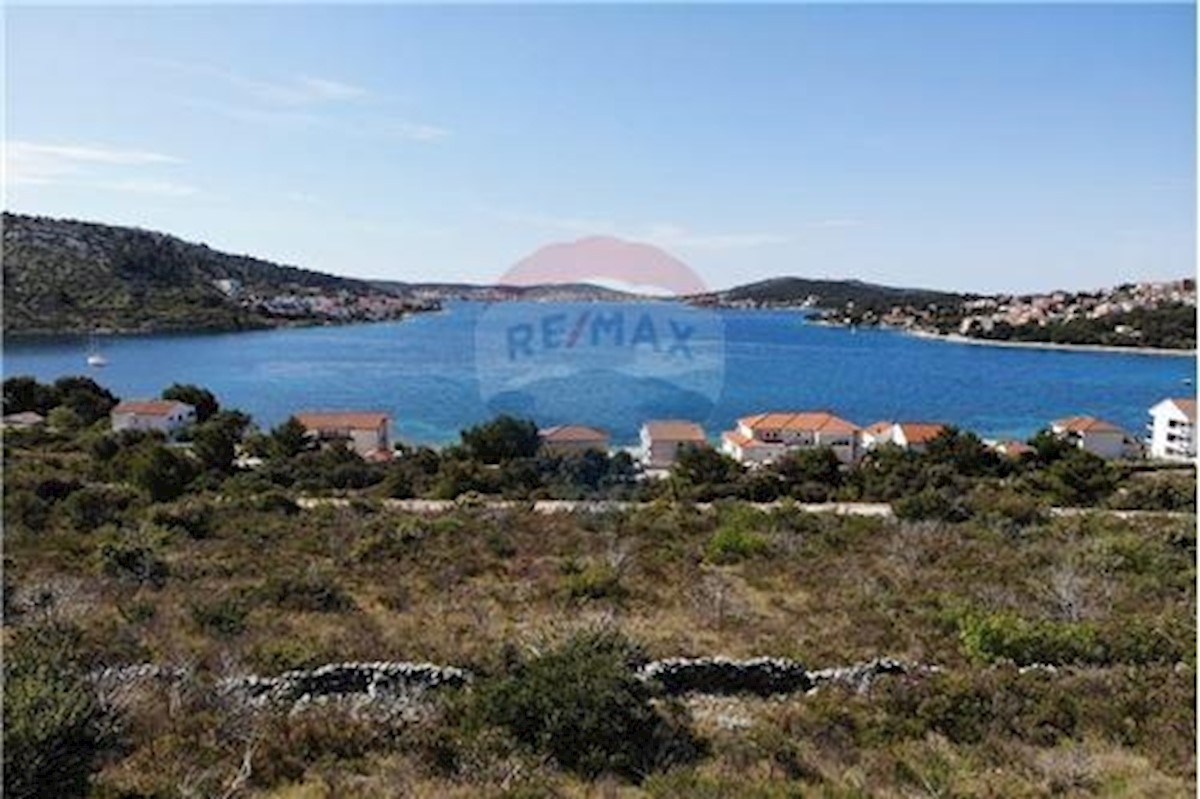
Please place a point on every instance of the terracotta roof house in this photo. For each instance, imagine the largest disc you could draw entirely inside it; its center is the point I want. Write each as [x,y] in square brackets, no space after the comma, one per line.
[909,435]
[1096,436]
[22,420]
[162,416]
[366,432]
[663,438]
[1172,429]
[766,436]
[568,439]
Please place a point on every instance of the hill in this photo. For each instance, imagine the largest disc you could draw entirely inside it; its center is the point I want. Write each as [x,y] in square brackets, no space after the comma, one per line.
[71,276]
[823,293]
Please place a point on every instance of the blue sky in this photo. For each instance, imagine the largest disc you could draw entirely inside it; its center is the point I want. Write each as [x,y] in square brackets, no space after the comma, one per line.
[1006,147]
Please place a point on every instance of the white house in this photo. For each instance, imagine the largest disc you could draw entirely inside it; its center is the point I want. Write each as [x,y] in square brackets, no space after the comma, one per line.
[1096,436]
[663,438]
[572,439]
[908,435]
[765,437]
[163,416]
[365,431]
[1173,430]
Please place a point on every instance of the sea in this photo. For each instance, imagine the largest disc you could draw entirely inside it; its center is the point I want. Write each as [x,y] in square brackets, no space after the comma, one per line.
[616,365]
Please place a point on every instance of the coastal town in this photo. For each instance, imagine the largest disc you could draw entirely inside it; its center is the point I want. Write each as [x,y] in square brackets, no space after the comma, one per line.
[757,440]
[1129,315]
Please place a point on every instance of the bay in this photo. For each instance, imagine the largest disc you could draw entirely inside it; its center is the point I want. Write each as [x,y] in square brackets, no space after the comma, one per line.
[565,363]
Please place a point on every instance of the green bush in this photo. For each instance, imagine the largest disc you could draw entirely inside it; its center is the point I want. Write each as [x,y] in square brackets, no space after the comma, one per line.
[224,616]
[932,505]
[193,519]
[53,725]
[313,592]
[1005,636]
[94,506]
[594,581]
[734,544]
[134,563]
[581,704]
[161,472]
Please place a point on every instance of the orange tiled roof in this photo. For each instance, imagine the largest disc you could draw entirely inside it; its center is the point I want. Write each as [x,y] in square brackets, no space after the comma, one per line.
[149,407]
[817,421]
[879,427]
[572,432]
[1187,405]
[342,420]
[745,442]
[921,432]
[1086,424]
[674,430]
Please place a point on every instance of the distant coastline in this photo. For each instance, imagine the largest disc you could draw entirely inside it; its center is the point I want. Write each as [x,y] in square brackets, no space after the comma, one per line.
[954,338]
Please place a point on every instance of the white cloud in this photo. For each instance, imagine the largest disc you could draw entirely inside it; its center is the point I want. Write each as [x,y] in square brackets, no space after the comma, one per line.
[30,162]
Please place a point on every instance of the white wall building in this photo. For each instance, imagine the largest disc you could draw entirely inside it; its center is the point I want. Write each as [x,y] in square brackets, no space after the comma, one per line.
[1096,436]
[908,435]
[163,416]
[366,432]
[662,439]
[1173,430]
[767,436]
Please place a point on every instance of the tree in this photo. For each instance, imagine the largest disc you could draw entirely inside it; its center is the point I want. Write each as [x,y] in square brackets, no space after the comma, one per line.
[214,442]
[1080,479]
[64,419]
[203,400]
[86,397]
[24,393]
[502,439]
[289,439]
[803,466]
[705,469]
[162,472]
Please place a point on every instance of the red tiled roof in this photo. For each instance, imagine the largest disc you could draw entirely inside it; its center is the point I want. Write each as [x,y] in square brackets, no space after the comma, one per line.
[816,421]
[572,432]
[921,432]
[149,407]
[1086,424]
[342,420]
[674,430]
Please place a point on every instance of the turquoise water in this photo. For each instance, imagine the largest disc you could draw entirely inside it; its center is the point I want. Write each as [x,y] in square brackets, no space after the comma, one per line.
[437,373]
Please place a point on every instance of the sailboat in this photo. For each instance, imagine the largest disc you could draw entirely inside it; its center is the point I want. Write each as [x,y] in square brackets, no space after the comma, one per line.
[94,356]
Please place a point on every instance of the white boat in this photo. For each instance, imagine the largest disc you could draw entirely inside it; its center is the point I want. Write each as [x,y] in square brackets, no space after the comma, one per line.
[94,357]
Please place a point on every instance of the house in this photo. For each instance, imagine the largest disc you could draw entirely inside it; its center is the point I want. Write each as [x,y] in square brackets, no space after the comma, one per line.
[766,436]
[1173,430]
[662,439]
[366,432]
[162,416]
[1012,448]
[908,435]
[22,421]
[573,439]
[1095,436]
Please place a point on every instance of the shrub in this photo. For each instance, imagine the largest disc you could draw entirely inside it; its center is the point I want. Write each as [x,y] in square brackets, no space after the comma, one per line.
[95,506]
[193,519]
[1004,636]
[24,510]
[737,537]
[581,704]
[134,563]
[161,472]
[594,581]
[932,505]
[224,616]
[313,592]
[53,725]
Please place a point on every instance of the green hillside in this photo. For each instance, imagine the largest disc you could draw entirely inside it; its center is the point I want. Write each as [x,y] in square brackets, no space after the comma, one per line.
[70,276]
